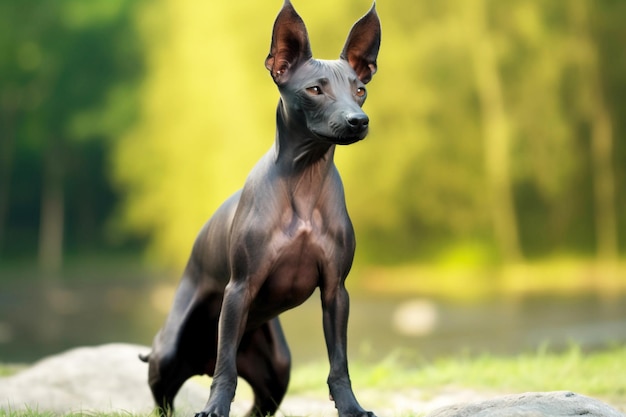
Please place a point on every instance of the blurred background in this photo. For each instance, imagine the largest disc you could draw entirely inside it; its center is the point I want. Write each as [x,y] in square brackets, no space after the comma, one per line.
[489,199]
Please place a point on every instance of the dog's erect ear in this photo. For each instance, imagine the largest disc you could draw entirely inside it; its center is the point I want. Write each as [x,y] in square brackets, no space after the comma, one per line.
[290,44]
[361,48]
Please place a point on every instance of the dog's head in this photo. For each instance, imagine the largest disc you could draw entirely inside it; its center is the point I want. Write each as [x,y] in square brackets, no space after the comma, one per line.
[324,97]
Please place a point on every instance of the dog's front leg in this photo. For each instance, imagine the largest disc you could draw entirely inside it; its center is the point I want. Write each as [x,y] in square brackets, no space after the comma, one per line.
[336,306]
[232,323]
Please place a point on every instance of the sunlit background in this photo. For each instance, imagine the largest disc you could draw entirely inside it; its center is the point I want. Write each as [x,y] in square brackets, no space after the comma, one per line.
[489,199]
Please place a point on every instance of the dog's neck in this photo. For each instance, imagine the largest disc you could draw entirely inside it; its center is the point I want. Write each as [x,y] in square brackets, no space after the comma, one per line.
[297,151]
[304,165]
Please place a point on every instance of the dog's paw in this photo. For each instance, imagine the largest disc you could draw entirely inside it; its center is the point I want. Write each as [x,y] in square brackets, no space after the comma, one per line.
[358,413]
[209,414]
[365,413]
[215,410]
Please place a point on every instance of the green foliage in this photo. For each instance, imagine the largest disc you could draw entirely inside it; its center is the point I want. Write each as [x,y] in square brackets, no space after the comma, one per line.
[420,181]
[67,78]
[425,183]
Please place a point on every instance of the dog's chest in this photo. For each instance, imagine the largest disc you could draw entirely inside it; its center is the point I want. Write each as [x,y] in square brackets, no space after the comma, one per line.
[301,250]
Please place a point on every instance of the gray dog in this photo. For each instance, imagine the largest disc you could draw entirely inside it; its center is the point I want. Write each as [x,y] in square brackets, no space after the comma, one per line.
[272,243]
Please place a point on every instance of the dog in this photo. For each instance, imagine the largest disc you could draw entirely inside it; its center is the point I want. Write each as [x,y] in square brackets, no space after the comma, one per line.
[270,245]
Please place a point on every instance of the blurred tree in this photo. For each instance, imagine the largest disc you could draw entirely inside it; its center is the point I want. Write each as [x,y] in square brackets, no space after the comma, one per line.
[609,31]
[545,159]
[68,71]
[495,125]
[596,111]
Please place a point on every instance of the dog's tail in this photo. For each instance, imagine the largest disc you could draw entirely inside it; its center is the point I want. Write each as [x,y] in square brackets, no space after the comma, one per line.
[144,358]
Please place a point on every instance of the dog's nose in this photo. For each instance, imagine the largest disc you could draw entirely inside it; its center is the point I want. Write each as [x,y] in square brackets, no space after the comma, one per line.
[357,121]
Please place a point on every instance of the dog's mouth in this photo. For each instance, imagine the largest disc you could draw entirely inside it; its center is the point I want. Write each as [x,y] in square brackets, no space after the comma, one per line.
[348,140]
[341,140]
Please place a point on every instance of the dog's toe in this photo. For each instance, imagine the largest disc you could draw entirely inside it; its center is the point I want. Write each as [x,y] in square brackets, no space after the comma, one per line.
[357,413]
[207,414]
[211,414]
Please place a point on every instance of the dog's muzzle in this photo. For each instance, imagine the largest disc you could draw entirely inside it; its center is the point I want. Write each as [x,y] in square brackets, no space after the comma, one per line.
[350,128]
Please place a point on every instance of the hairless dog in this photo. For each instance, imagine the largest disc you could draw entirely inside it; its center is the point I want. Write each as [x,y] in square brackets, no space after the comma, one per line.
[270,245]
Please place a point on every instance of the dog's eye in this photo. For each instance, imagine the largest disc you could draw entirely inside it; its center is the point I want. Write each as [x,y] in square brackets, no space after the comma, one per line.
[360,92]
[315,90]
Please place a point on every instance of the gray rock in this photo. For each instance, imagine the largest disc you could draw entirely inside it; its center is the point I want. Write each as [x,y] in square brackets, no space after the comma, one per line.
[107,378]
[532,404]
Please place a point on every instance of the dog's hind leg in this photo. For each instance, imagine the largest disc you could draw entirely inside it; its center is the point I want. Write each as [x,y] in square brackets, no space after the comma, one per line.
[264,361]
[185,346]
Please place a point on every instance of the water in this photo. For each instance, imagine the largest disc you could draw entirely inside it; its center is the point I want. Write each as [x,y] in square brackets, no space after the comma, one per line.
[35,322]
[432,329]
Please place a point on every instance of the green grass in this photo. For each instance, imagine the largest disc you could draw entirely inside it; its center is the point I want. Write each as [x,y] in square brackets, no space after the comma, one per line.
[7,369]
[598,374]
[36,413]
